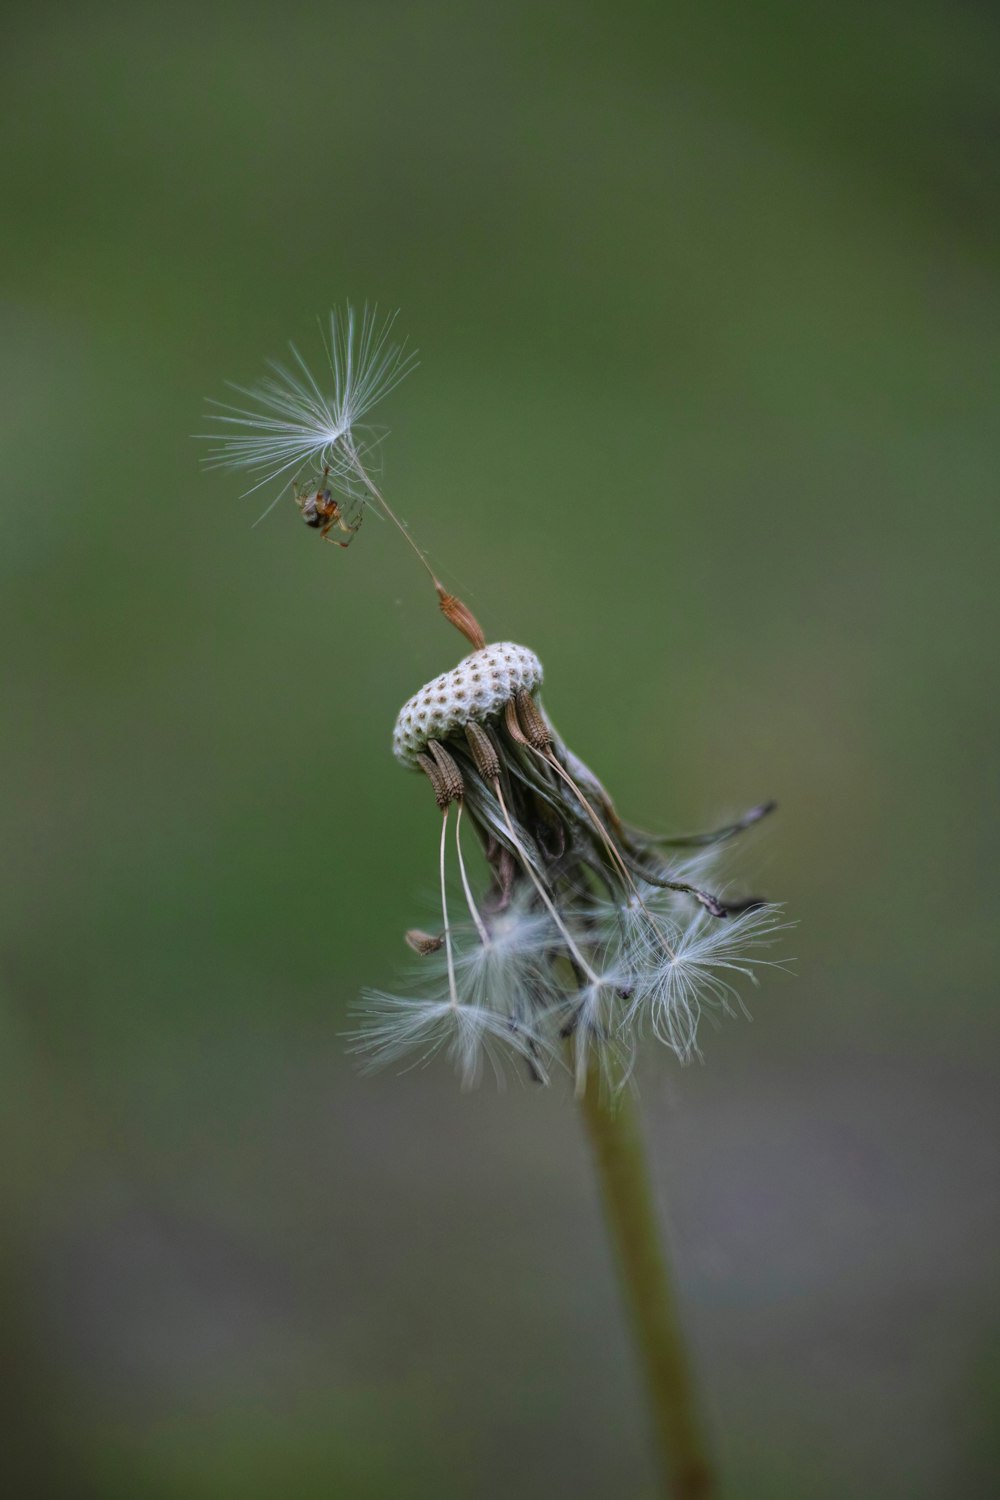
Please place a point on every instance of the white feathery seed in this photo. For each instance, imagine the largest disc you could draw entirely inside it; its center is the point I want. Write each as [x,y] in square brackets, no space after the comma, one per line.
[507,974]
[592,1023]
[520,934]
[394,1026]
[672,986]
[501,987]
[297,420]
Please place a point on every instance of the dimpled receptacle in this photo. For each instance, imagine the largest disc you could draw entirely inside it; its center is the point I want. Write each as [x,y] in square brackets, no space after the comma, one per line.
[475,690]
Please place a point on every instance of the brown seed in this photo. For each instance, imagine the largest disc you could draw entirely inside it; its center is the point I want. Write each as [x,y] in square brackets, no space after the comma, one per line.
[485,756]
[511,723]
[430,768]
[461,616]
[423,942]
[451,776]
[535,726]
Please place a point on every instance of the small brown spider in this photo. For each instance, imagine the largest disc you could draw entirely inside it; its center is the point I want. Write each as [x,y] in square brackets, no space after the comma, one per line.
[321,511]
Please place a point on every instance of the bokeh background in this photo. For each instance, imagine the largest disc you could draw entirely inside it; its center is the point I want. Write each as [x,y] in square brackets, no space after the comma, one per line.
[706,300]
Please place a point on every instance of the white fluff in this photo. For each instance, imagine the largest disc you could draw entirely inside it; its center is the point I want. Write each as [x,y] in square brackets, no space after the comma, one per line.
[673,982]
[497,1016]
[394,1026]
[592,1023]
[297,420]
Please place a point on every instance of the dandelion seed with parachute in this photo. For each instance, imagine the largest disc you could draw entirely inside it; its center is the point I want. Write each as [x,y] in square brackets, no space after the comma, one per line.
[299,422]
[297,419]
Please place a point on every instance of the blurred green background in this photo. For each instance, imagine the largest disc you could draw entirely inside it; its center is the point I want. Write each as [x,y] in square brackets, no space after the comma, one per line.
[706,300]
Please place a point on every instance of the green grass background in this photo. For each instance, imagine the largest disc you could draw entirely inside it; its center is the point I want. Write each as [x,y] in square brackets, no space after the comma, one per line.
[706,300]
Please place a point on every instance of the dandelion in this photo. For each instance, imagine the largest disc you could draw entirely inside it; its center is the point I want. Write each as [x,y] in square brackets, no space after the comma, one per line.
[589,933]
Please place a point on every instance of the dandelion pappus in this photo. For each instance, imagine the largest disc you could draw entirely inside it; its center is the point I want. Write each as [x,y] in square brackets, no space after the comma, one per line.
[322,512]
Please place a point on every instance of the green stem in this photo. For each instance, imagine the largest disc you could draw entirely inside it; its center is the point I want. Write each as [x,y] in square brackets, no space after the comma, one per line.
[616,1141]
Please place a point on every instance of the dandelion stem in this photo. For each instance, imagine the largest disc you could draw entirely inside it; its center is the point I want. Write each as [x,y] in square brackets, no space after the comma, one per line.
[613,1129]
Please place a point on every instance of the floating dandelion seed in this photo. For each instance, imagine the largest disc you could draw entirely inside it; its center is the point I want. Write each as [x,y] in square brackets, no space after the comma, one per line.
[297,421]
[590,932]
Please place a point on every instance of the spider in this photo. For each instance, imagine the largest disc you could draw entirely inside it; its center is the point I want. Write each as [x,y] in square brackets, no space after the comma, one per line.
[322,512]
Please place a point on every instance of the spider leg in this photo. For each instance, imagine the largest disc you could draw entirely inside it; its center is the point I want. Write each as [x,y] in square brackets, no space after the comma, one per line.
[352,529]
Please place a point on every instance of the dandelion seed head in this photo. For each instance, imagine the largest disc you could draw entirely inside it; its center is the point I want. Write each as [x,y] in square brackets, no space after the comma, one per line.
[592,932]
[476,690]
